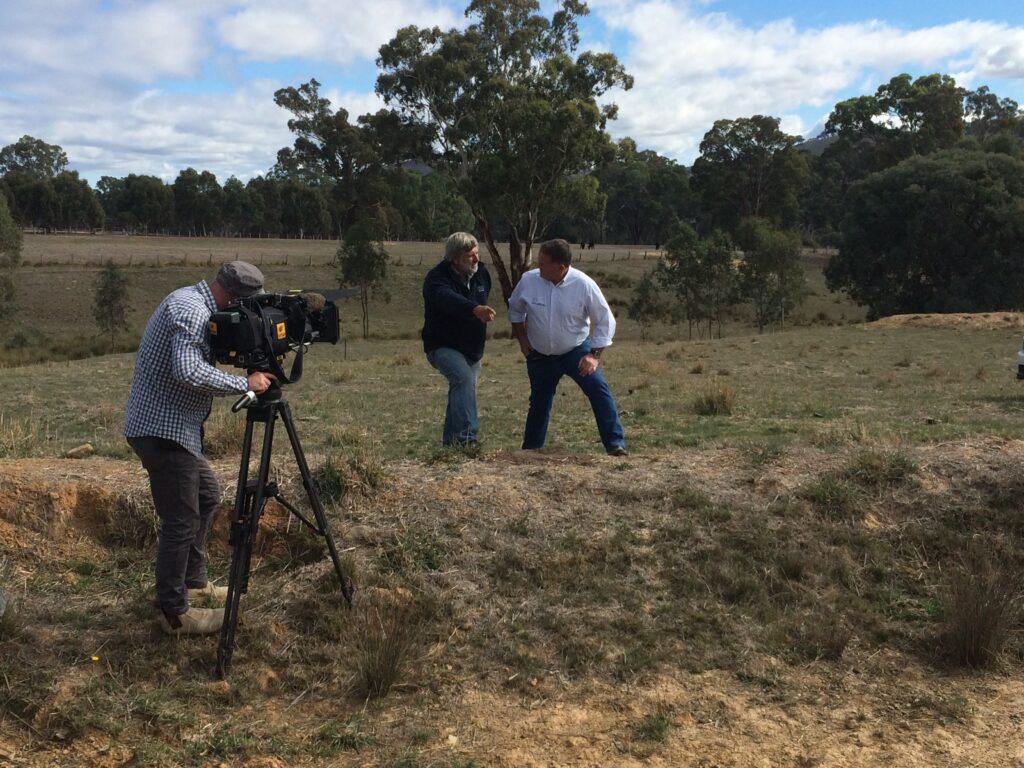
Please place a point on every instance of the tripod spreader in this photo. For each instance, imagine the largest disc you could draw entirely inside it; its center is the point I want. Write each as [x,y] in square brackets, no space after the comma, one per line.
[251,497]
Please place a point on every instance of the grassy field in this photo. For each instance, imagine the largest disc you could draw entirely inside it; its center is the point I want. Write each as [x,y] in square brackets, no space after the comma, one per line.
[781,573]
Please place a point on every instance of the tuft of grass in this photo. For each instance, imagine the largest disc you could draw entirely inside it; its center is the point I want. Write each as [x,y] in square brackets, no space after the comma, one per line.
[654,727]
[334,736]
[832,496]
[412,551]
[132,522]
[331,482]
[359,472]
[20,438]
[981,606]
[881,469]
[715,400]
[386,633]
[688,497]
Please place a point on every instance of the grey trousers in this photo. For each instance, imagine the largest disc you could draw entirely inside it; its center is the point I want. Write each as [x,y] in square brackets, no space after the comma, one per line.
[185,494]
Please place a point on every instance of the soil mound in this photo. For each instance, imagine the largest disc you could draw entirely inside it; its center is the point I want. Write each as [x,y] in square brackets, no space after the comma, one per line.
[990,321]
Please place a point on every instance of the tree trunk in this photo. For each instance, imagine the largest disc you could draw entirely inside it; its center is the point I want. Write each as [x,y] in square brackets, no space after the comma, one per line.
[496,260]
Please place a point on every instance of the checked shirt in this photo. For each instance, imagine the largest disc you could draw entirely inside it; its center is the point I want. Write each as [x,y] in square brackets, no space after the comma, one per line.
[175,379]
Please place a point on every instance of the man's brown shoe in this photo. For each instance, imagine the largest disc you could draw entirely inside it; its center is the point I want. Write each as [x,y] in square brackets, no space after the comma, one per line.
[194,621]
[209,590]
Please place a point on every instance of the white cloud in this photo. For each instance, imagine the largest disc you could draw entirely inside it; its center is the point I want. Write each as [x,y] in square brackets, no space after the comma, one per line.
[692,67]
[133,42]
[269,30]
[123,85]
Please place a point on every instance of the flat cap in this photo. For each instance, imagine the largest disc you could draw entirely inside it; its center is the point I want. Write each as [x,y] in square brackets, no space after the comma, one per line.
[240,278]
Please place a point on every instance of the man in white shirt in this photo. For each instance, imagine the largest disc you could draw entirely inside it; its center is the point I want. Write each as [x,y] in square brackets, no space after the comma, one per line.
[563,323]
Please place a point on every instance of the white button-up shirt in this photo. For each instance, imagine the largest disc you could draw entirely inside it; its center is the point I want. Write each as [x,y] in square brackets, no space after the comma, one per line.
[561,317]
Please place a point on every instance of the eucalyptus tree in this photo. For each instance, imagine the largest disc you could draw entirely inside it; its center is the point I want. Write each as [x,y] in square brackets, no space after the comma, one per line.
[648,194]
[34,157]
[749,167]
[507,110]
[344,160]
[940,233]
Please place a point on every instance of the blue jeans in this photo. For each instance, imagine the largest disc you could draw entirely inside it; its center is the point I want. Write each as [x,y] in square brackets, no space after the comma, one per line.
[460,419]
[545,371]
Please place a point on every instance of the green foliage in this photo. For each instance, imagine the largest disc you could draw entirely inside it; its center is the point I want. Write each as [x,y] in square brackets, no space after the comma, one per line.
[198,202]
[363,264]
[33,199]
[647,195]
[10,256]
[79,206]
[472,99]
[654,727]
[34,157]
[771,275]
[110,302]
[137,203]
[647,304]
[701,275]
[904,117]
[749,167]
[935,234]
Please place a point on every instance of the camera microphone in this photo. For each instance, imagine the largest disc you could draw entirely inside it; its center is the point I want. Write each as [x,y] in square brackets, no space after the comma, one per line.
[315,302]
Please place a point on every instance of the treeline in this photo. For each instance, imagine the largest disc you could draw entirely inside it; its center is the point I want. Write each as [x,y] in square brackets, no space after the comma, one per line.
[642,194]
[501,128]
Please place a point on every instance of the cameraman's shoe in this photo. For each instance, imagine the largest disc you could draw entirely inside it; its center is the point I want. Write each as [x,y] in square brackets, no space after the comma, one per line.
[208,590]
[194,621]
[618,450]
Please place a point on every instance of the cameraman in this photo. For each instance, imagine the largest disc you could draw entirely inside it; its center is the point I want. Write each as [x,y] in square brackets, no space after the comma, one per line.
[171,396]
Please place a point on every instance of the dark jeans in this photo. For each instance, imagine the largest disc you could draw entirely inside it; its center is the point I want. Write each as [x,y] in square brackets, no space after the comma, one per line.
[545,371]
[185,494]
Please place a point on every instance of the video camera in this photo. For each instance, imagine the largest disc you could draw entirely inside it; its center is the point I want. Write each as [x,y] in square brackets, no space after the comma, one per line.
[257,332]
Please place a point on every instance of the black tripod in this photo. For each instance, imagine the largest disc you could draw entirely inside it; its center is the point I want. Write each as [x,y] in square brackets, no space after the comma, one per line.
[250,498]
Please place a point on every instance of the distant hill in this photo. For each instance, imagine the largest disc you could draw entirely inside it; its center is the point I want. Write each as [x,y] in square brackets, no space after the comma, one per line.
[817,145]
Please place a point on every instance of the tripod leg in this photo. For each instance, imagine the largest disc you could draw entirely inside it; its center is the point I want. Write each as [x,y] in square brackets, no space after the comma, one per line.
[314,500]
[249,502]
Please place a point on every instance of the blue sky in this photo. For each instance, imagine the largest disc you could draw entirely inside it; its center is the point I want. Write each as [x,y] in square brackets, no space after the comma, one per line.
[155,87]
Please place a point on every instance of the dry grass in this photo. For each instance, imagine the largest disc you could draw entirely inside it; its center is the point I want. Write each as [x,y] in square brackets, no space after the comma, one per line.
[982,606]
[386,635]
[715,400]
